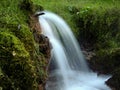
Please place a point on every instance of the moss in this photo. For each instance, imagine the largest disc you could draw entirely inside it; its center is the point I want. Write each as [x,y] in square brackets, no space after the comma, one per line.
[16,64]
[25,35]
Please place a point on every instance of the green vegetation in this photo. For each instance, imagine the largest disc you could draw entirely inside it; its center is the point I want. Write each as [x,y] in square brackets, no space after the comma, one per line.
[99,28]
[65,7]
[95,22]
[20,67]
[15,64]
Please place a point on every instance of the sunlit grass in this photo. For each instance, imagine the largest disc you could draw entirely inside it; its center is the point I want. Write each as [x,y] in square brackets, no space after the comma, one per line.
[10,12]
[61,7]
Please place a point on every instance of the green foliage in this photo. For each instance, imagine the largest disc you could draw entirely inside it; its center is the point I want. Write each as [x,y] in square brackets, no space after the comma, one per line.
[20,69]
[15,19]
[10,12]
[16,12]
[16,64]
[99,27]
[25,36]
[107,60]
[67,8]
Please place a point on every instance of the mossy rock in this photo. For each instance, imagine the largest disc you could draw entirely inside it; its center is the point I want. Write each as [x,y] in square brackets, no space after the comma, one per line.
[16,65]
[25,35]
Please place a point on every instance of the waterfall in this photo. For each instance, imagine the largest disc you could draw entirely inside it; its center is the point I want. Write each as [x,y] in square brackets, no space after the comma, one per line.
[72,72]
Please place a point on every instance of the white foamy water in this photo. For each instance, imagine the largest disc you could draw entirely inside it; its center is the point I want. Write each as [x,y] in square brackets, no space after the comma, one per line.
[72,72]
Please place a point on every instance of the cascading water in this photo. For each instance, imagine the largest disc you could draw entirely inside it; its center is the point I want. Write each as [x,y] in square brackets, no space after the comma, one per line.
[72,72]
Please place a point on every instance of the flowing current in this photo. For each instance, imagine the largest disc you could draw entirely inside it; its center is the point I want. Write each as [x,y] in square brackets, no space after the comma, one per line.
[72,72]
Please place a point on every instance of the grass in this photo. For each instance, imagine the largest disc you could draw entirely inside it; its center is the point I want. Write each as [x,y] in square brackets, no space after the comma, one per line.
[63,7]
[98,9]
[10,12]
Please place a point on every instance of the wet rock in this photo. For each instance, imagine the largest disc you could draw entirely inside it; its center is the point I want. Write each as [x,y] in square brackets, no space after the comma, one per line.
[88,54]
[45,46]
[39,13]
[114,81]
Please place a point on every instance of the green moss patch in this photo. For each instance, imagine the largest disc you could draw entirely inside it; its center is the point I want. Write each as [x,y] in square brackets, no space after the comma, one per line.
[16,64]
